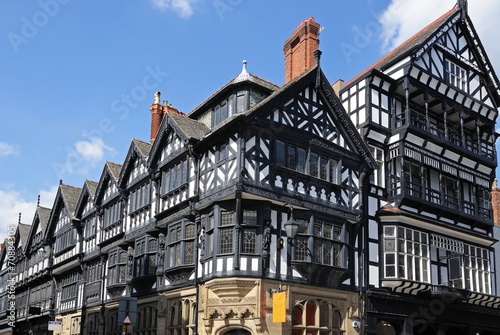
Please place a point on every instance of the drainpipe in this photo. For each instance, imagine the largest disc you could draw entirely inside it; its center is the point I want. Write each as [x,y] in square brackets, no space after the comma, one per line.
[197,221]
[363,245]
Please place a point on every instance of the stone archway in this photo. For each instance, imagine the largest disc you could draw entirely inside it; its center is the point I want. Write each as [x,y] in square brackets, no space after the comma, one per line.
[236,331]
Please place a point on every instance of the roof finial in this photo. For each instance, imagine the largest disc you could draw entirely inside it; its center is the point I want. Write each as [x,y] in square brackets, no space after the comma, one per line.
[462,6]
[19,220]
[38,201]
[244,69]
[244,75]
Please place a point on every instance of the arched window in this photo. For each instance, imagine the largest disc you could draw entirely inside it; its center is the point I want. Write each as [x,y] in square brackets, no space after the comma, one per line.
[181,316]
[146,320]
[316,317]
[311,313]
[112,326]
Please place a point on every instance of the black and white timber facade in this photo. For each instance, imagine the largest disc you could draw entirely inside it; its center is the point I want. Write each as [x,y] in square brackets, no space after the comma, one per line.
[427,111]
[387,182]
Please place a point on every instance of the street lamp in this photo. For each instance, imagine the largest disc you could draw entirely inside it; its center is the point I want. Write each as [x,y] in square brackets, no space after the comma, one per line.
[291,226]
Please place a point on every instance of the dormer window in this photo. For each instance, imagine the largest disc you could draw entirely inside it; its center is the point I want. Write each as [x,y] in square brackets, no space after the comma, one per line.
[234,104]
[456,75]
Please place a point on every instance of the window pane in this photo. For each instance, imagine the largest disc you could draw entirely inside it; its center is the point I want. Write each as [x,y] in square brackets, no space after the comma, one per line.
[226,240]
[249,237]
[280,153]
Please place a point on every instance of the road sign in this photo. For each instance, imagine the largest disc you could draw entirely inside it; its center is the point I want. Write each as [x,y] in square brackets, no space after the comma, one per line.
[127,321]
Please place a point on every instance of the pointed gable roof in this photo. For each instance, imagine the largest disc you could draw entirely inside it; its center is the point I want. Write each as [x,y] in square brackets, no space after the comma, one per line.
[23,230]
[188,129]
[138,150]
[316,76]
[110,172]
[43,217]
[407,47]
[418,43]
[67,197]
[87,194]
[40,220]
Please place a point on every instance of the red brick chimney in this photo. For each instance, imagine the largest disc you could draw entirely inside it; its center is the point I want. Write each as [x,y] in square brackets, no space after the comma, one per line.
[495,203]
[299,49]
[156,110]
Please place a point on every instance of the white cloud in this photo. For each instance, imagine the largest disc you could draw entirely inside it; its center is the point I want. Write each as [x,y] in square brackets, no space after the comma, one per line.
[13,202]
[7,149]
[93,150]
[403,18]
[83,156]
[183,8]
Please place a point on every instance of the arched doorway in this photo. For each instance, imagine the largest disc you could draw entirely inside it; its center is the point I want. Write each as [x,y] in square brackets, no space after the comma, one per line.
[237,331]
[386,328]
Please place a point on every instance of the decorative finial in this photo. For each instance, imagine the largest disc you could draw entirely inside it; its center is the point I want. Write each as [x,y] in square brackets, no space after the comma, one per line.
[462,6]
[244,75]
[244,69]
[19,220]
[38,201]
[157,97]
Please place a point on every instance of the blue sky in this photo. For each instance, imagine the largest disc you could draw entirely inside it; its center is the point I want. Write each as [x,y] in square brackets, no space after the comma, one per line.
[77,77]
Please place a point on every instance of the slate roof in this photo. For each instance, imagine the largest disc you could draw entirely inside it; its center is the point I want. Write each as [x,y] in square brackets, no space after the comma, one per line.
[24,231]
[243,77]
[70,195]
[191,128]
[144,147]
[43,216]
[114,169]
[92,186]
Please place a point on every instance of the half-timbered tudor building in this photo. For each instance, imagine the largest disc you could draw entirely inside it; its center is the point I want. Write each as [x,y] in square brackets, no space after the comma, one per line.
[369,208]
[64,230]
[244,165]
[109,211]
[92,259]
[20,275]
[7,287]
[37,276]
[427,110]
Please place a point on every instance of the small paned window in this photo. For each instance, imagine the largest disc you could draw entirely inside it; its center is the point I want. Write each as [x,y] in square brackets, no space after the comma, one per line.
[306,161]
[181,243]
[175,177]
[406,254]
[456,75]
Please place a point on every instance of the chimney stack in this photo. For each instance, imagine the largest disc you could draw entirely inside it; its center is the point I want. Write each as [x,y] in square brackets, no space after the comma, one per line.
[495,202]
[156,116]
[299,49]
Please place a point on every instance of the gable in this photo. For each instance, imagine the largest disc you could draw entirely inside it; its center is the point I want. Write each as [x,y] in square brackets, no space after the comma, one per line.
[107,187]
[310,106]
[176,133]
[172,146]
[308,112]
[135,164]
[453,62]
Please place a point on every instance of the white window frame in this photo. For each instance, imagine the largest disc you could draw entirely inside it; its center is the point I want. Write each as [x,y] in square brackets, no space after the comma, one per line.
[457,75]
[405,251]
